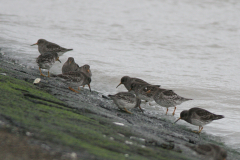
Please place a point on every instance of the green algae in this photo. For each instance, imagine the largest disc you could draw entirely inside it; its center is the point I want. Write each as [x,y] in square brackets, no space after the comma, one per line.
[66,126]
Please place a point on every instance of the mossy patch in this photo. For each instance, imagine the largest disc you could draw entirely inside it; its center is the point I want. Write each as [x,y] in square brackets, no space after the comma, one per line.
[50,120]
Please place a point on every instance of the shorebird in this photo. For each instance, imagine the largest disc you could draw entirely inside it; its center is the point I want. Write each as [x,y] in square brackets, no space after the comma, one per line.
[199,117]
[127,81]
[125,101]
[167,98]
[76,79]
[45,47]
[85,69]
[71,66]
[210,151]
[46,61]
[144,91]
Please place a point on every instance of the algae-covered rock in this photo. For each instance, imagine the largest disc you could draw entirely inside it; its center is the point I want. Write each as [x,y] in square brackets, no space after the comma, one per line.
[86,125]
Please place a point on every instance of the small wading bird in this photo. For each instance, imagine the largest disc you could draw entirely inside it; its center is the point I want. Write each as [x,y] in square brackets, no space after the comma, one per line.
[125,101]
[167,98]
[141,90]
[76,79]
[46,61]
[48,47]
[199,117]
[85,69]
[210,151]
[127,81]
[71,66]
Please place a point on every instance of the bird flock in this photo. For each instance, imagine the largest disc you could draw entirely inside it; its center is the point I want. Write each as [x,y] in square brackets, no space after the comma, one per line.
[138,90]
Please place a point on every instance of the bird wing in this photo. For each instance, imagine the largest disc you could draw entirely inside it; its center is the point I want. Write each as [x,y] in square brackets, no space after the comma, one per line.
[72,76]
[54,47]
[137,80]
[126,96]
[204,114]
[169,94]
[45,58]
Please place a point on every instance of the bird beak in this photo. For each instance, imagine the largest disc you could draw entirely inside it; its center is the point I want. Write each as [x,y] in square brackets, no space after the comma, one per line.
[148,91]
[88,71]
[70,62]
[89,87]
[119,84]
[58,60]
[34,44]
[177,120]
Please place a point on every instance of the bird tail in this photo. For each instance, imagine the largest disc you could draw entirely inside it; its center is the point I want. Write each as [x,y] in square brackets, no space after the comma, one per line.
[216,117]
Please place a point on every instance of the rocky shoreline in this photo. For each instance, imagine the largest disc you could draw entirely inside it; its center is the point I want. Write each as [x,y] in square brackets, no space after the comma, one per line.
[87,125]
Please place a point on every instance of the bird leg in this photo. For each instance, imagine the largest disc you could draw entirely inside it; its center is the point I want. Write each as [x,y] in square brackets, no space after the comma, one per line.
[73,89]
[140,108]
[89,87]
[127,111]
[41,72]
[200,130]
[79,88]
[83,86]
[48,74]
[166,111]
[174,111]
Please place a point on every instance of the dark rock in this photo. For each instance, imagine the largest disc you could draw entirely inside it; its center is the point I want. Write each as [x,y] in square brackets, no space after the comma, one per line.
[84,123]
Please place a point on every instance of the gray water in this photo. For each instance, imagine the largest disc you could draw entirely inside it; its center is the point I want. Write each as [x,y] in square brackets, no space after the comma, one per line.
[189,46]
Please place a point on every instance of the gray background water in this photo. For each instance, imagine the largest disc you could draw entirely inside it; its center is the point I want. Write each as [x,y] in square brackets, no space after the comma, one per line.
[189,46]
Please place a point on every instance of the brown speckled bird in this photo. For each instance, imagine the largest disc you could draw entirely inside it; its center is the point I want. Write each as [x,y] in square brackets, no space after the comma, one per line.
[71,66]
[127,81]
[76,79]
[167,98]
[199,117]
[125,101]
[45,47]
[85,69]
[46,61]
[144,91]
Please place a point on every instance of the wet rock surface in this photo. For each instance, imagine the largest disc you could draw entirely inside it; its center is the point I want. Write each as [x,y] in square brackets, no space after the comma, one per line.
[88,125]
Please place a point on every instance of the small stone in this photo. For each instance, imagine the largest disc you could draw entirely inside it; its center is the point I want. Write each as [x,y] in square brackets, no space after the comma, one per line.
[143,146]
[37,80]
[121,135]
[3,74]
[117,123]
[111,138]
[29,134]
[137,139]
[128,142]
[73,155]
